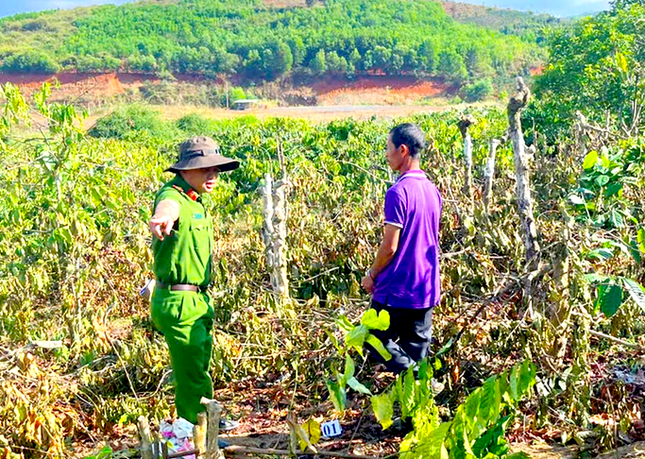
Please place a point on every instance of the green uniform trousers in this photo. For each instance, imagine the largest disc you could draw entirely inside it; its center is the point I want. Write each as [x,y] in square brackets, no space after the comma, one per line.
[186,321]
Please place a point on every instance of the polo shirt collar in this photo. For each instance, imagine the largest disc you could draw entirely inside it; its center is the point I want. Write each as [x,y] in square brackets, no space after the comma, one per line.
[416,173]
[192,194]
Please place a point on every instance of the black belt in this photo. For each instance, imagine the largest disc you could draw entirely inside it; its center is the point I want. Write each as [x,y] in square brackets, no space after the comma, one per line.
[181,287]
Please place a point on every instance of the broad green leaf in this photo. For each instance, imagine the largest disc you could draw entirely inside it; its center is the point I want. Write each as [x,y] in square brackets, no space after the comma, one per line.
[105,452]
[492,440]
[356,337]
[383,408]
[432,445]
[635,291]
[636,253]
[378,345]
[490,400]
[626,249]
[397,390]
[526,377]
[423,370]
[590,160]
[502,384]
[425,417]
[471,405]
[344,323]
[602,180]
[357,386]
[610,297]
[614,189]
[616,219]
[514,383]
[600,254]
[349,371]
[406,399]
[374,321]
[337,394]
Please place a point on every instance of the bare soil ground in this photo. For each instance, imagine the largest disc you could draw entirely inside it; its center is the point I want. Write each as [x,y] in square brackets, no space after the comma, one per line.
[76,85]
[379,90]
[363,97]
[262,410]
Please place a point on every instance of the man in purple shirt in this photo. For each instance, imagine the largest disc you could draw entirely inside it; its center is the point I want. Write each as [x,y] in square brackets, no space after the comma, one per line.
[404,279]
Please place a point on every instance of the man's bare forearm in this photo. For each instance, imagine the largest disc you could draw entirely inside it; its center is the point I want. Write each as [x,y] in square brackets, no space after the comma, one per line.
[167,208]
[386,250]
[384,256]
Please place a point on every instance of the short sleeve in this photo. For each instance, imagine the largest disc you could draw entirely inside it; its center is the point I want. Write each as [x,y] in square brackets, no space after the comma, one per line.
[167,193]
[394,209]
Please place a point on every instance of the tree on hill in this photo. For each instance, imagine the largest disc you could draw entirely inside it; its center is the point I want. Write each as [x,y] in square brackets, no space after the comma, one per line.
[598,65]
[31,61]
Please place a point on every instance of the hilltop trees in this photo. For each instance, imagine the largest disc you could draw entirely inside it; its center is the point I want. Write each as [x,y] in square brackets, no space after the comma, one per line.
[337,37]
[30,61]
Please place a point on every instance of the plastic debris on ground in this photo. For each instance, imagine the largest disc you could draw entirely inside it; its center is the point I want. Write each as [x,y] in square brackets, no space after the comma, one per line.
[178,435]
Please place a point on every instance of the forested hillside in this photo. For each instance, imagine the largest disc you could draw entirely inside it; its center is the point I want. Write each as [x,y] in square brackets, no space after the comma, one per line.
[258,42]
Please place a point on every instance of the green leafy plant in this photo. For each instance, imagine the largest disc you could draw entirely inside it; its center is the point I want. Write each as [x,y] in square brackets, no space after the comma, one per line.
[355,338]
[601,201]
[478,426]
[413,391]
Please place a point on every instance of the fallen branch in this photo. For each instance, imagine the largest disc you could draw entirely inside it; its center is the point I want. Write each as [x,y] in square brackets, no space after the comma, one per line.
[616,340]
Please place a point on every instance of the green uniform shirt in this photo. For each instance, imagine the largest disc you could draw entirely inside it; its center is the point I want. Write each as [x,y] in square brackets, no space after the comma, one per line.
[184,257]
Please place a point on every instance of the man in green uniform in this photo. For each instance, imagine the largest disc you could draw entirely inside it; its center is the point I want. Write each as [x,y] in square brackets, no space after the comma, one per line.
[182,245]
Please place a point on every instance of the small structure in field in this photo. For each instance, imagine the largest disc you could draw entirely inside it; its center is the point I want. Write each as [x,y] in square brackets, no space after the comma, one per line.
[245,104]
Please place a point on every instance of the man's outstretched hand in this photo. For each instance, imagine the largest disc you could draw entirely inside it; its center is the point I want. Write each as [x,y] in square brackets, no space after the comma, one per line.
[161,226]
[166,214]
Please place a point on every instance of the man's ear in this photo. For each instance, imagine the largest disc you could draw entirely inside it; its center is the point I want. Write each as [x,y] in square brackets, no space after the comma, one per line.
[404,150]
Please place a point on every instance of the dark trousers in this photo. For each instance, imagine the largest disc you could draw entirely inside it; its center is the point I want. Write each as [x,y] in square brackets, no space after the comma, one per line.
[407,339]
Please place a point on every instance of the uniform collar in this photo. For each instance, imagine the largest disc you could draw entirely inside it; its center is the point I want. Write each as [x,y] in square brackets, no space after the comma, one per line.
[182,185]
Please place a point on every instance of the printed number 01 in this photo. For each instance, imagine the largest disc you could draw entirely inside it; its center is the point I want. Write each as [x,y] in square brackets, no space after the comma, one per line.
[331,428]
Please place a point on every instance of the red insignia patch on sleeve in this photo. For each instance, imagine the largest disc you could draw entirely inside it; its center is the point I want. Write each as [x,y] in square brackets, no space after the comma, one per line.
[192,194]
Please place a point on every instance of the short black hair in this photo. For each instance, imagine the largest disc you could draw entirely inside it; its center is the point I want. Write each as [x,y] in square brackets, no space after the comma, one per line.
[411,135]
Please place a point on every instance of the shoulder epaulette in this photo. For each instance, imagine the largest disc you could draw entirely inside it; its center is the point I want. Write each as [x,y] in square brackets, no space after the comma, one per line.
[192,194]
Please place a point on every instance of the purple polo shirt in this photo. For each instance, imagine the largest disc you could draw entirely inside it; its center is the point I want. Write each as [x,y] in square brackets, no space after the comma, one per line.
[411,279]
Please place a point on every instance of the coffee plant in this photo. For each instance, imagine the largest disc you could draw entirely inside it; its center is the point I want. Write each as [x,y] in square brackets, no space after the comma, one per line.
[80,360]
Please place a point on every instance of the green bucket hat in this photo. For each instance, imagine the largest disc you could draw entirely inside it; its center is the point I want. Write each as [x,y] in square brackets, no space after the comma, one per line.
[200,153]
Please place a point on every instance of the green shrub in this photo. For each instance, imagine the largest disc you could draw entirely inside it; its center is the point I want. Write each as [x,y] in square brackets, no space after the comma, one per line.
[162,93]
[130,122]
[236,93]
[477,91]
[30,61]
[194,124]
